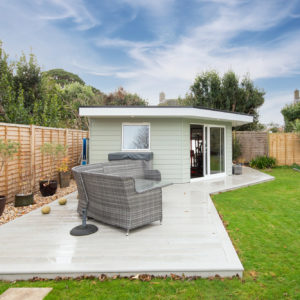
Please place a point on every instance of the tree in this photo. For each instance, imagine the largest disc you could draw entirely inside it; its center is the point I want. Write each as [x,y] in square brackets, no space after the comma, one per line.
[6,82]
[7,151]
[63,77]
[29,77]
[227,93]
[51,98]
[291,113]
[206,90]
[122,98]
[296,126]
[230,93]
[15,110]
[236,148]
[273,127]
[75,95]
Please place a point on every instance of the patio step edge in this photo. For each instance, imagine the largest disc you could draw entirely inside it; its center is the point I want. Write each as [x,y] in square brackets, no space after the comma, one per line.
[52,275]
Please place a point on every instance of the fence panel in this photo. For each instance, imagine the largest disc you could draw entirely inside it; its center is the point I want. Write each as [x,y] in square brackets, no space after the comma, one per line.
[285,147]
[253,144]
[30,165]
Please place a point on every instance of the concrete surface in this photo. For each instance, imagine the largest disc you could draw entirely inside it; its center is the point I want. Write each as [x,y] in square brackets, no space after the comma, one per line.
[25,293]
[192,239]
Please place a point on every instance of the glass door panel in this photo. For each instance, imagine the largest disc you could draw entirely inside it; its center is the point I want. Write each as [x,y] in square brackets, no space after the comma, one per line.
[196,140]
[217,153]
[206,171]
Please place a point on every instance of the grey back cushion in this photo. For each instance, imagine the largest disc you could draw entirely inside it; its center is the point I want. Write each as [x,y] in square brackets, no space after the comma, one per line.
[126,168]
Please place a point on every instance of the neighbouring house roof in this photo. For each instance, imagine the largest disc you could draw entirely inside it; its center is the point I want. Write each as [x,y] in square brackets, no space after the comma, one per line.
[236,119]
[169,102]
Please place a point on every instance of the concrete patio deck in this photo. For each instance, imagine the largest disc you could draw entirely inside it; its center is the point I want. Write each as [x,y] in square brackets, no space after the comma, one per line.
[192,239]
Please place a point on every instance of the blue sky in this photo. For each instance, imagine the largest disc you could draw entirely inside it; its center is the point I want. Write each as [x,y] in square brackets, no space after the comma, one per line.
[149,46]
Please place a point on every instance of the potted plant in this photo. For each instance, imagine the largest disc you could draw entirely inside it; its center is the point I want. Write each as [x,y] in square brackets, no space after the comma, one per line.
[7,151]
[64,174]
[25,195]
[48,187]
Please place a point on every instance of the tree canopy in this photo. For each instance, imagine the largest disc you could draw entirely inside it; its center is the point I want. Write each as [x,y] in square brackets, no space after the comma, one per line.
[52,98]
[63,77]
[291,114]
[122,98]
[227,93]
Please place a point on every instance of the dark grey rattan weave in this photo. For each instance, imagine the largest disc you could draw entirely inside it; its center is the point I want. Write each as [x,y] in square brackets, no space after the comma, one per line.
[112,196]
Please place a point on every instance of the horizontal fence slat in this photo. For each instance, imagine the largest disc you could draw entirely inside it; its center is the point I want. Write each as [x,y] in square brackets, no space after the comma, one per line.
[285,147]
[29,163]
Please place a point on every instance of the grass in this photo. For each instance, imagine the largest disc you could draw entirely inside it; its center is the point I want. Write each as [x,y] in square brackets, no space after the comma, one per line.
[264,224]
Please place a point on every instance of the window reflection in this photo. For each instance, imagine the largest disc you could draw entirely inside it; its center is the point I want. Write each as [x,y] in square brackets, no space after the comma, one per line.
[135,137]
[217,159]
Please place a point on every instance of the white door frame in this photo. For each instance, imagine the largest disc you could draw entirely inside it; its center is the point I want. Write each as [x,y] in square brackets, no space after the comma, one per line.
[206,153]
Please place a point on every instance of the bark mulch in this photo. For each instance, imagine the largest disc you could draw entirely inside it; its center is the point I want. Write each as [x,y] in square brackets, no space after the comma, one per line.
[10,212]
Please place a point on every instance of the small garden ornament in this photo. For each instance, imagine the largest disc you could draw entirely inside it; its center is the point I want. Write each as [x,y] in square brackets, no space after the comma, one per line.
[62,201]
[46,210]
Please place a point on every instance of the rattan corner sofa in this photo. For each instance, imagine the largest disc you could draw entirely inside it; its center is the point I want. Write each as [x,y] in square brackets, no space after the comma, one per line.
[121,193]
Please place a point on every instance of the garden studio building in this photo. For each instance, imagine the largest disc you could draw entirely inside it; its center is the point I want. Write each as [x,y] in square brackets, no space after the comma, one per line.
[187,143]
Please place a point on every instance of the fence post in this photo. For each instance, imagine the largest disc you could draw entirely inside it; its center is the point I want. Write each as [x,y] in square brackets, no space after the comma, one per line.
[66,144]
[43,141]
[268,144]
[72,145]
[20,168]
[285,149]
[6,167]
[294,146]
[32,156]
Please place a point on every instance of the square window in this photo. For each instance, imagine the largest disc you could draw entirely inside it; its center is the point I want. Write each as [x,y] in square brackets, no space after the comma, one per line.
[136,137]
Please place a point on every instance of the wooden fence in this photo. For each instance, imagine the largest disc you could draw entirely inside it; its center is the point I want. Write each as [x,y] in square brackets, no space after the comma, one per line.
[30,165]
[285,147]
[253,143]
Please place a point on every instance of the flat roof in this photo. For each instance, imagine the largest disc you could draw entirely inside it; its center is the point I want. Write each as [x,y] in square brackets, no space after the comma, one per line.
[190,112]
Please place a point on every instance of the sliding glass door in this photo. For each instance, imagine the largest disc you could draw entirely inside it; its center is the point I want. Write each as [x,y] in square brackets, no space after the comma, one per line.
[211,148]
[217,152]
[214,150]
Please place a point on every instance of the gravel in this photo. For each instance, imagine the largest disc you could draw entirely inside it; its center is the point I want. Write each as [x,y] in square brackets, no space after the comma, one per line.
[10,212]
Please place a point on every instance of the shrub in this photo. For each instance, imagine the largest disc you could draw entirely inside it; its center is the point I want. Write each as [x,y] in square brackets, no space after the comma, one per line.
[295,166]
[263,162]
[236,148]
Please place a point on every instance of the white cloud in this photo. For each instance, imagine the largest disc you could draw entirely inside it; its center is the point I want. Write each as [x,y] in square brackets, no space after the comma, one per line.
[163,63]
[274,102]
[173,67]
[156,7]
[75,10]
[124,44]
[53,47]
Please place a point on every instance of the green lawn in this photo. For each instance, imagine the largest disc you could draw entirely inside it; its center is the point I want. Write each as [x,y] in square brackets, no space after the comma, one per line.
[264,225]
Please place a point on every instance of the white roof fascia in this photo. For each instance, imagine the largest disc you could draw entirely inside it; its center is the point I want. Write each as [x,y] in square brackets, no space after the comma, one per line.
[168,112]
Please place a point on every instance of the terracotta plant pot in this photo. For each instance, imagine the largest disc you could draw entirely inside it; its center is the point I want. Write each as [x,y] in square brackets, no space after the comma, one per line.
[2,204]
[64,179]
[23,199]
[48,188]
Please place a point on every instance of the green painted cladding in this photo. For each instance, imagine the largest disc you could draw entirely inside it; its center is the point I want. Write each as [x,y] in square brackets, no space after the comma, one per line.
[169,141]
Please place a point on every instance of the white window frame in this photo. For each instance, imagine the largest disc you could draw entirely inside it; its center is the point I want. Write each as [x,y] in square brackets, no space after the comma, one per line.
[136,124]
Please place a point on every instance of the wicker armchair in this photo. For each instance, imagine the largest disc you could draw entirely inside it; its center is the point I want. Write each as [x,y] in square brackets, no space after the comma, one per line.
[120,193]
